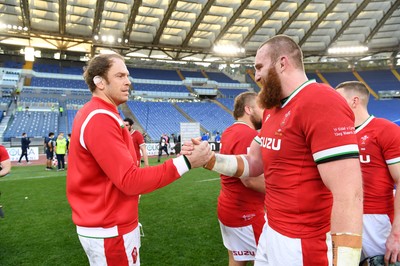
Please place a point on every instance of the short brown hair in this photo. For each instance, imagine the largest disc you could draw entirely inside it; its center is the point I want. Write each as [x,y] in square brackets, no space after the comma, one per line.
[284,45]
[241,101]
[355,87]
[99,66]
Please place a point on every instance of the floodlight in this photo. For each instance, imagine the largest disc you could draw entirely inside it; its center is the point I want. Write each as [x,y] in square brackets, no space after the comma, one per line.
[228,49]
[29,54]
[348,50]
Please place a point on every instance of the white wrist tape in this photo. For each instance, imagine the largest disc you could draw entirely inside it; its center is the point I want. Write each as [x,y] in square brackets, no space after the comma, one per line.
[229,165]
[346,249]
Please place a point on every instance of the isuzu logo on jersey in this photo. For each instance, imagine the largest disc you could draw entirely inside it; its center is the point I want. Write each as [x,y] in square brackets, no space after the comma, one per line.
[271,143]
[365,158]
[243,253]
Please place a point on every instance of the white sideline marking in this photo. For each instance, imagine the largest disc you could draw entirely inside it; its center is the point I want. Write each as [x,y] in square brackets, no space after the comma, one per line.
[4,179]
[207,180]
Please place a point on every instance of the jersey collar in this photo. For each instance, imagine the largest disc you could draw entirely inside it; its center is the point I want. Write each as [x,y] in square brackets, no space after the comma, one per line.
[296,91]
[366,122]
[241,122]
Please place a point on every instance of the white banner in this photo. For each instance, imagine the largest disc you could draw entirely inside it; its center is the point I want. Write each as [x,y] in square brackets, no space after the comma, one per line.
[152,149]
[15,153]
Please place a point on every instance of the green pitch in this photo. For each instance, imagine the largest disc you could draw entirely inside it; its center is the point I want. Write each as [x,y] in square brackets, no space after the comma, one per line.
[179,221]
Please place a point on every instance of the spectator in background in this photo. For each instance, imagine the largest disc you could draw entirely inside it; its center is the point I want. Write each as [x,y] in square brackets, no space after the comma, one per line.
[138,142]
[174,143]
[49,150]
[25,141]
[61,149]
[379,143]
[5,163]
[61,109]
[217,138]
[205,137]
[162,146]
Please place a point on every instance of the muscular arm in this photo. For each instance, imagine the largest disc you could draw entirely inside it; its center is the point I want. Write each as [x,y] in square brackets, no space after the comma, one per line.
[144,152]
[5,167]
[238,165]
[393,241]
[343,178]
[256,183]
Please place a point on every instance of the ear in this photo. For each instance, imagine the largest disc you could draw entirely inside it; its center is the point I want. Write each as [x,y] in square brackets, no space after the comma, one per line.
[283,63]
[247,110]
[355,101]
[98,81]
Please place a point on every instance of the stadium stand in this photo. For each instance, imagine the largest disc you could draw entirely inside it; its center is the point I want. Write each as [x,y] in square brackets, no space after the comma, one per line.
[159,87]
[154,74]
[157,118]
[389,109]
[335,78]
[34,123]
[231,93]
[192,74]
[380,80]
[209,115]
[220,77]
[228,102]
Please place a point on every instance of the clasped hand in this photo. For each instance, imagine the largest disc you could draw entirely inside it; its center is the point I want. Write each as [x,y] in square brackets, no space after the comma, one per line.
[197,152]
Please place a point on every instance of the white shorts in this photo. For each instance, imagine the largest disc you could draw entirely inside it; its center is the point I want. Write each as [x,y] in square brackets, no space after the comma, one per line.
[240,240]
[275,249]
[116,251]
[376,229]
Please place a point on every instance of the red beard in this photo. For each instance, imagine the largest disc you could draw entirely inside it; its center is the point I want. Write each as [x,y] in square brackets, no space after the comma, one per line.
[271,93]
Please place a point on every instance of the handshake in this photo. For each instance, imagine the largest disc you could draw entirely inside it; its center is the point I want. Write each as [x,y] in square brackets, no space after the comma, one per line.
[197,152]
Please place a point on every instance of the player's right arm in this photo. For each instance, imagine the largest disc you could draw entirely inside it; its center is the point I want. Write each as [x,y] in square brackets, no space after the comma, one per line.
[392,254]
[240,166]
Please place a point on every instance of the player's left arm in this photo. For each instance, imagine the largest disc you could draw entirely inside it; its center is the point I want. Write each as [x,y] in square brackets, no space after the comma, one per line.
[144,153]
[392,254]
[343,179]
[5,167]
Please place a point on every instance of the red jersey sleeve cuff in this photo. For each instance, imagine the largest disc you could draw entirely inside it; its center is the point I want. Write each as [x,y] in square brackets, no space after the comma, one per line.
[180,165]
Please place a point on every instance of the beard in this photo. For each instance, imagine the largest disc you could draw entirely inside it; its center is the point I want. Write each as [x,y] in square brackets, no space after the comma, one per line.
[271,93]
[256,120]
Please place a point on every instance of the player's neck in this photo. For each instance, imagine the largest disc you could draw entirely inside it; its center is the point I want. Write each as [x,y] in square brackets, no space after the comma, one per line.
[247,121]
[360,117]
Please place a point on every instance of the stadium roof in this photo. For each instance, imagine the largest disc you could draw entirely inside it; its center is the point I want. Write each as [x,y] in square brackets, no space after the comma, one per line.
[188,29]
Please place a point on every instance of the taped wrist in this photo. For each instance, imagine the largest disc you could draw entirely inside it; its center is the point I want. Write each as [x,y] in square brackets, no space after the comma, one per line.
[229,165]
[346,249]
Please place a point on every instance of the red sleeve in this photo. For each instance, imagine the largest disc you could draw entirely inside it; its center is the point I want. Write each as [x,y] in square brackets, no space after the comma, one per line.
[107,142]
[329,127]
[3,154]
[390,142]
[140,138]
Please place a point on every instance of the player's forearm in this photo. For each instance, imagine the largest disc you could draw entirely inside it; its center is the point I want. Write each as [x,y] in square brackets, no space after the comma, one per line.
[346,228]
[5,168]
[240,166]
[396,221]
[229,165]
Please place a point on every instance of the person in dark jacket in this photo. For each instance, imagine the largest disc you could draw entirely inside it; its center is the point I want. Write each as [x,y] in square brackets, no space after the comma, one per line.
[25,141]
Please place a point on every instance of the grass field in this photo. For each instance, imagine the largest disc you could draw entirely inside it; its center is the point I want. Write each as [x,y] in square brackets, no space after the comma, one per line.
[179,221]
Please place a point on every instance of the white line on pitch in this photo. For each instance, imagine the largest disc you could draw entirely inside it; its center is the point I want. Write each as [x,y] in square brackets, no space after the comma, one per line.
[4,179]
[207,180]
